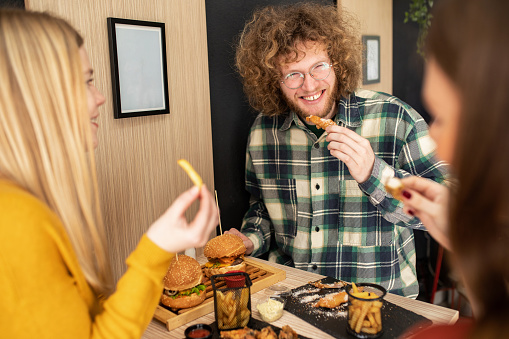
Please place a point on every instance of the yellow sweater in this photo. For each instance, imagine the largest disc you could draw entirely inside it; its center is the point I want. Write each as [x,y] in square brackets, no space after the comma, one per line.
[44,293]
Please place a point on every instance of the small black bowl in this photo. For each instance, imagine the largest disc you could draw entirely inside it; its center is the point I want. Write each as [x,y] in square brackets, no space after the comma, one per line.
[198,327]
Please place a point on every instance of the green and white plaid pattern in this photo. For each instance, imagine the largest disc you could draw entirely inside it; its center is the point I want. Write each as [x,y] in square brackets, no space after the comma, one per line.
[308,211]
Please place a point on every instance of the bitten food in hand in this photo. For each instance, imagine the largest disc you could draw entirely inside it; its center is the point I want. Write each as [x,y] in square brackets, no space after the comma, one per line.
[394,187]
[320,122]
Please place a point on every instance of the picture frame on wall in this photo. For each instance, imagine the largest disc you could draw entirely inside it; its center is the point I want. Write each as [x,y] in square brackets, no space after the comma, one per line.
[139,75]
[371,59]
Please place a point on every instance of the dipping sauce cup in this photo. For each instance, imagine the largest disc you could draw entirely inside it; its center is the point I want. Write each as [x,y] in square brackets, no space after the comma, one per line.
[271,308]
[235,280]
[365,303]
[198,331]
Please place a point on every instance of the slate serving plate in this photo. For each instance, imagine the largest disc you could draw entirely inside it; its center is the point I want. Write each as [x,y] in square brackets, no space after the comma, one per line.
[254,324]
[395,319]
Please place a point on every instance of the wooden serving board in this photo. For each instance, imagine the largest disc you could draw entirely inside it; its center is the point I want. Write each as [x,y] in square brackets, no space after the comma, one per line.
[261,275]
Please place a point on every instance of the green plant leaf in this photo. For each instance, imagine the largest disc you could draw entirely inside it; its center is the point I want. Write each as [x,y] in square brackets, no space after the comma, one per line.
[419,12]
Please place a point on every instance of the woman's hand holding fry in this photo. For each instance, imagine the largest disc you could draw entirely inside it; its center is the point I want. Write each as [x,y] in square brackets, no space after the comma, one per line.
[173,233]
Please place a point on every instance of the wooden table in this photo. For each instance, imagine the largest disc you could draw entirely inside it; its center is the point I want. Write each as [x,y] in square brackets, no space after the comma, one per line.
[295,278]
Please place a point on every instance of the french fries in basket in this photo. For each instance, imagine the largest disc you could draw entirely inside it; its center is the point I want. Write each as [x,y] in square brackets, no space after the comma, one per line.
[232,312]
[365,316]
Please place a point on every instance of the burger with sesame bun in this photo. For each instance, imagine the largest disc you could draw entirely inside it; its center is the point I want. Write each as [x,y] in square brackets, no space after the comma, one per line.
[225,254]
[183,286]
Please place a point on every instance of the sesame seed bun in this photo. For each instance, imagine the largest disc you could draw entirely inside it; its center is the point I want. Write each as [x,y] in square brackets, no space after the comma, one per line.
[182,274]
[226,245]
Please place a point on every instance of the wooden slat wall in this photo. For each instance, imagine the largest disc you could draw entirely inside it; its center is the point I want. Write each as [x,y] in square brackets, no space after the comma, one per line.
[375,17]
[136,157]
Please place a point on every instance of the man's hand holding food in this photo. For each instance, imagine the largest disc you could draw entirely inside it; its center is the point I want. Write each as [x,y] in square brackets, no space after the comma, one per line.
[354,150]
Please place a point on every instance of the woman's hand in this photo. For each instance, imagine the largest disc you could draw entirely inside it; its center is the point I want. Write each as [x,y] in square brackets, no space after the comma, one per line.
[247,242]
[428,201]
[354,150]
[173,233]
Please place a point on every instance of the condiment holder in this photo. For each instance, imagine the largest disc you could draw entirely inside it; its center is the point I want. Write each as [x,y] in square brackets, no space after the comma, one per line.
[198,331]
[271,308]
[238,280]
[278,290]
[232,305]
[365,303]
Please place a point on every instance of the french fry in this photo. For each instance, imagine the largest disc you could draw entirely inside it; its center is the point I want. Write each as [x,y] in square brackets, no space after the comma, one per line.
[232,310]
[193,175]
[354,288]
[230,317]
[364,310]
[365,295]
[355,317]
[369,330]
[244,298]
[378,318]
[220,295]
[228,298]
[364,315]
[371,319]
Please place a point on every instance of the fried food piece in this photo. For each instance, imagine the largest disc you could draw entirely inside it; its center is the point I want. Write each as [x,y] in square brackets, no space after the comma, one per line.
[244,333]
[193,175]
[333,300]
[318,284]
[320,122]
[394,187]
[288,333]
[267,333]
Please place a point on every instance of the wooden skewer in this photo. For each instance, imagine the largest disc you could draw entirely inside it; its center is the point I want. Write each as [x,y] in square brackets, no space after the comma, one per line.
[219,215]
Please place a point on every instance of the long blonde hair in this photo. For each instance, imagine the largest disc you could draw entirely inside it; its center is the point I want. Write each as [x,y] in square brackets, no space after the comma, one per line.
[45,131]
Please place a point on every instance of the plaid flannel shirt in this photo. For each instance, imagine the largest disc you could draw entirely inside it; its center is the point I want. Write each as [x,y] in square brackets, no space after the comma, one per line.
[308,211]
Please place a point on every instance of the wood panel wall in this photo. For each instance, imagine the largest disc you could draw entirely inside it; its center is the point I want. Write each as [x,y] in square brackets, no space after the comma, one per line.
[375,17]
[136,157]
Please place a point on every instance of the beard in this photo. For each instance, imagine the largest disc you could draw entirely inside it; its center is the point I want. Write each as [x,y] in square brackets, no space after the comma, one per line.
[329,105]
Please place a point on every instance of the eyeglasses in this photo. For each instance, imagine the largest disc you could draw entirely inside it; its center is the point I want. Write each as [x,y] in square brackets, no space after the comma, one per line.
[295,80]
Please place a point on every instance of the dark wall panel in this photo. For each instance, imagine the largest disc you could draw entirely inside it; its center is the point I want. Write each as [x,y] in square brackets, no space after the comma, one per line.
[12,3]
[407,64]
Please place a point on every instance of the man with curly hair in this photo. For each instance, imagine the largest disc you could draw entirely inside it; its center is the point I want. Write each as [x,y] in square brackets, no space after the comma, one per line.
[317,199]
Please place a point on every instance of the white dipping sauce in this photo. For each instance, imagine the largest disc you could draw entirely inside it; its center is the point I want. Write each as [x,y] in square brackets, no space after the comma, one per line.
[270,310]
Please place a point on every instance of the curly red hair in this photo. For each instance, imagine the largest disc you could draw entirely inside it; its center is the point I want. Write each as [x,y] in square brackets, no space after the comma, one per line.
[272,36]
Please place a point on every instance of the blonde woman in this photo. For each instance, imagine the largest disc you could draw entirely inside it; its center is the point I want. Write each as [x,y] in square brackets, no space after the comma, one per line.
[54,270]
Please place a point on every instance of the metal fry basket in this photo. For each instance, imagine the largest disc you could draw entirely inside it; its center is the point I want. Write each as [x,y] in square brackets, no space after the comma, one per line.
[232,302]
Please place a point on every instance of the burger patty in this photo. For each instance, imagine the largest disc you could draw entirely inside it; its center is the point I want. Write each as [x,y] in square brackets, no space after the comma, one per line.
[224,262]
[237,261]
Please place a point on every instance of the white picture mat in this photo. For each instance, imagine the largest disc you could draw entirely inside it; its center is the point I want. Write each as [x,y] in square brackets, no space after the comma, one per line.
[372,62]
[140,68]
